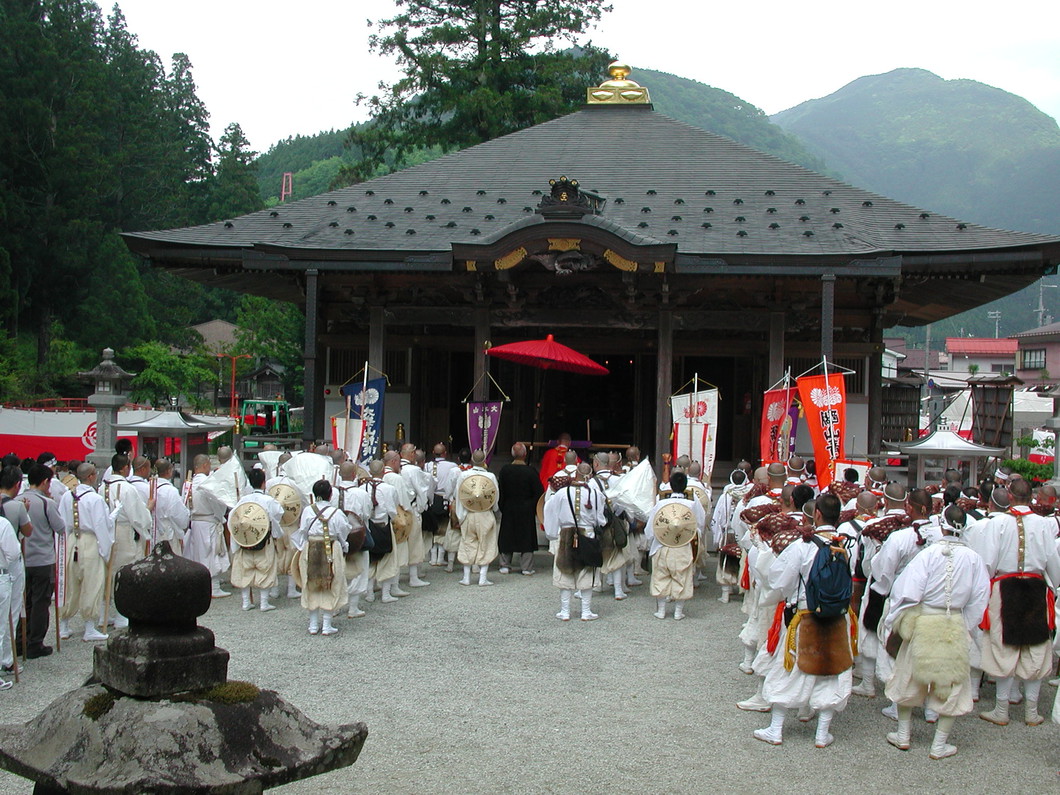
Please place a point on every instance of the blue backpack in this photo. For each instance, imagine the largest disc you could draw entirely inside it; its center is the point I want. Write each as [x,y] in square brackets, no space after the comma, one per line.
[829,586]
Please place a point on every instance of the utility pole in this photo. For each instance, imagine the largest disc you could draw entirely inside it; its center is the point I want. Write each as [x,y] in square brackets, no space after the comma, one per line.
[995,315]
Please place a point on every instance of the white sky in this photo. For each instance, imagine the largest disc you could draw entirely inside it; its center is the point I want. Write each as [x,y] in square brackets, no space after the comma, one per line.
[283,68]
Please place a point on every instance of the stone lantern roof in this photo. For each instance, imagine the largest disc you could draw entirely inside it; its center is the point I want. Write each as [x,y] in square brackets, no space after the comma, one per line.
[107,369]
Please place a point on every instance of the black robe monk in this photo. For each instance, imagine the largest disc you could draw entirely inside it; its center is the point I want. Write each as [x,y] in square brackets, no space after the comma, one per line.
[520,487]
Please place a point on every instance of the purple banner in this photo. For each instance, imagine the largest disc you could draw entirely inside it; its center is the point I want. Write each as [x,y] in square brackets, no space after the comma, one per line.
[483,420]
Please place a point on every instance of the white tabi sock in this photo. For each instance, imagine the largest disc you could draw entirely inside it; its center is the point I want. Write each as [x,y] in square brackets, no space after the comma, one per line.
[1032,689]
[587,604]
[679,610]
[414,578]
[631,575]
[774,734]
[940,749]
[467,576]
[354,608]
[263,601]
[292,589]
[726,592]
[999,714]
[564,605]
[248,599]
[328,628]
[620,592]
[824,738]
[314,622]
[661,611]
[749,653]
[482,576]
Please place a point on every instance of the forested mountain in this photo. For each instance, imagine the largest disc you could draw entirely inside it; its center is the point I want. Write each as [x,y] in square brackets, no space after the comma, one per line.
[315,159]
[954,146]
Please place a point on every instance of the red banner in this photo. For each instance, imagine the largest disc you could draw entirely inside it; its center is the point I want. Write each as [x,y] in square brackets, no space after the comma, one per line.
[824,401]
[780,419]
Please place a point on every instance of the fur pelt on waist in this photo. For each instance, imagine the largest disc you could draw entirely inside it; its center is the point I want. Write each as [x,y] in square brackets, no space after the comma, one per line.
[318,568]
[938,649]
[823,645]
[565,551]
[1024,618]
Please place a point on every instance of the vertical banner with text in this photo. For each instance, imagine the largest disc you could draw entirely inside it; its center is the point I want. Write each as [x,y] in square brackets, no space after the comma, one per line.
[824,402]
[366,403]
[780,420]
[483,421]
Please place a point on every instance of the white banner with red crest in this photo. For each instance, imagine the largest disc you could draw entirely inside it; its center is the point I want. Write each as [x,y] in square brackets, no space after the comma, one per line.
[694,409]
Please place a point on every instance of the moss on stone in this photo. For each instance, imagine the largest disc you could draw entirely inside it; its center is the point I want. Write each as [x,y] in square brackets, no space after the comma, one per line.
[232,692]
[98,705]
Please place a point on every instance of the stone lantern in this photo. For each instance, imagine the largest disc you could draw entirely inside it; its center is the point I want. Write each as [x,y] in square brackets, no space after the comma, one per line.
[110,394]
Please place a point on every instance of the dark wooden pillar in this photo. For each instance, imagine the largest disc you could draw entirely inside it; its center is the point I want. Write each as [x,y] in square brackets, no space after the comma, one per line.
[776,347]
[827,314]
[482,364]
[313,421]
[875,381]
[664,375]
[377,358]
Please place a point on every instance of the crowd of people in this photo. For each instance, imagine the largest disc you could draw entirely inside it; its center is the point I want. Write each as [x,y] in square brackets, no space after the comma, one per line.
[946,586]
[923,592]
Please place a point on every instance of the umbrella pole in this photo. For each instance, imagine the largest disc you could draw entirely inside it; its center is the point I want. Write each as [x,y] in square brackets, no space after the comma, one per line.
[539,377]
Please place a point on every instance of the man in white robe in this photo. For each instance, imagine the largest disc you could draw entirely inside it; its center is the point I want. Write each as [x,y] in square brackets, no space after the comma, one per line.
[787,686]
[256,568]
[1019,549]
[132,523]
[478,529]
[204,542]
[421,487]
[89,538]
[440,469]
[354,501]
[935,605]
[573,511]
[383,567]
[171,514]
[322,574]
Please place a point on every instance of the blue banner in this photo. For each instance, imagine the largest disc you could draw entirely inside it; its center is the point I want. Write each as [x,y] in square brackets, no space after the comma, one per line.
[366,403]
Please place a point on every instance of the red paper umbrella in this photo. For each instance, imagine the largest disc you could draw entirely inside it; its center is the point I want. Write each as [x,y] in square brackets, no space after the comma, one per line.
[547,354]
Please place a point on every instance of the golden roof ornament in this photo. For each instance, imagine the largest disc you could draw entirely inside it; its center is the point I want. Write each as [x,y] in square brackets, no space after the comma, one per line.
[619,90]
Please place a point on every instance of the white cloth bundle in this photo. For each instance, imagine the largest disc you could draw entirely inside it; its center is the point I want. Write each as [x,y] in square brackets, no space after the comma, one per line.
[228,483]
[305,469]
[635,491]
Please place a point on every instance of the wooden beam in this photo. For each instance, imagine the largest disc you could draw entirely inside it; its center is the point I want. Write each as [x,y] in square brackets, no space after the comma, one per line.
[313,426]
[664,376]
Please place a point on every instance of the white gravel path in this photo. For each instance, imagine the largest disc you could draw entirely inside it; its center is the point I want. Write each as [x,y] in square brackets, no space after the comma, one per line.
[482,690]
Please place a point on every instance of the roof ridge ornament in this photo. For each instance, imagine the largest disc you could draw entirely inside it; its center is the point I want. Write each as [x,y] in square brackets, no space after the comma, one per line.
[568,200]
[619,90]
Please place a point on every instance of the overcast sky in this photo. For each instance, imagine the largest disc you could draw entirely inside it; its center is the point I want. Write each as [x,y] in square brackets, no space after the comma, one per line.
[282,68]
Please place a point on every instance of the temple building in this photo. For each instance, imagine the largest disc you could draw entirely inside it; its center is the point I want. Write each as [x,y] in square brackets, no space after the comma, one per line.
[659,249]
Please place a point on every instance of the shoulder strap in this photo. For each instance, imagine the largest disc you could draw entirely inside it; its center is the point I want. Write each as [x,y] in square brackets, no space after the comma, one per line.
[1021,544]
[573,510]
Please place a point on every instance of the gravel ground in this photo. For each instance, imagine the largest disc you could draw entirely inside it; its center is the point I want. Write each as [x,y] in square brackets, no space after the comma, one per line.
[482,690]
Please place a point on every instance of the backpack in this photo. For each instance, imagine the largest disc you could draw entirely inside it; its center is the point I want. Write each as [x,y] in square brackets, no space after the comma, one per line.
[829,587]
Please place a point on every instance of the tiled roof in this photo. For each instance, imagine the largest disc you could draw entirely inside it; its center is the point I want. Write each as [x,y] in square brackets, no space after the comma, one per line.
[1053,329]
[664,181]
[981,346]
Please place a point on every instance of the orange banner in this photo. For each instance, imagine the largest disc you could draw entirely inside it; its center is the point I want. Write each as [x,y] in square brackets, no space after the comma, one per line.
[780,419]
[824,401]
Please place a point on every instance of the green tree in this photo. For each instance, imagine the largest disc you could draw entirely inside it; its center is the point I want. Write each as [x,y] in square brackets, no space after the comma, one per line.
[475,70]
[165,377]
[273,331]
[234,190]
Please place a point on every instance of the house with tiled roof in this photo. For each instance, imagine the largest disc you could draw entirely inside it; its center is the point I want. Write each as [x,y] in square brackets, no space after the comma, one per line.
[981,355]
[1038,355]
[662,250]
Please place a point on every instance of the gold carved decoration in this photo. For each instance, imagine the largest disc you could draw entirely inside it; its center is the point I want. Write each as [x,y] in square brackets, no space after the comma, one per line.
[471,265]
[618,90]
[660,267]
[564,244]
[619,261]
[510,260]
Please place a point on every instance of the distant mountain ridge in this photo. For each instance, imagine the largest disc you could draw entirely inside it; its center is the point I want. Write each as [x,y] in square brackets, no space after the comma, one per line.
[959,147]
[315,159]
